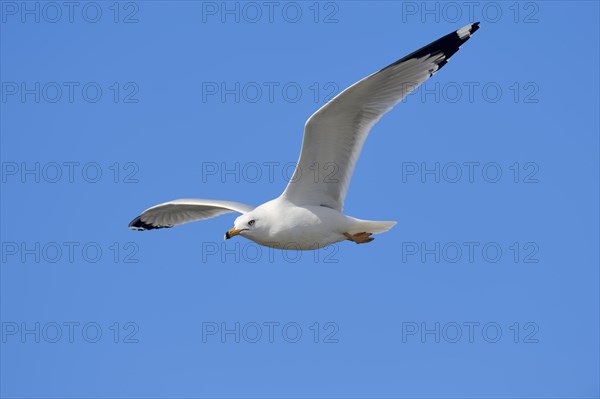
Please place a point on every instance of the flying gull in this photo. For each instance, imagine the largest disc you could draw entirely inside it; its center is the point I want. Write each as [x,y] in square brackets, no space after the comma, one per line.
[308,214]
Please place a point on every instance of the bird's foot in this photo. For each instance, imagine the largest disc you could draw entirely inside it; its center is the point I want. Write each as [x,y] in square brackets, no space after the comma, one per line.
[359,238]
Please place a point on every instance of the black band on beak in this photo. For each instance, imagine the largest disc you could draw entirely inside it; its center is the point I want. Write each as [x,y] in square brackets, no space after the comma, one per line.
[227,236]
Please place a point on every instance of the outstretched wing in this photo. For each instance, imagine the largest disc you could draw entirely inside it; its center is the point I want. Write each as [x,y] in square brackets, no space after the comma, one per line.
[334,135]
[181,211]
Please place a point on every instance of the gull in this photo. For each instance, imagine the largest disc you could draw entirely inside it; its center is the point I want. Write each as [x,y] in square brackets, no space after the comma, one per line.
[308,214]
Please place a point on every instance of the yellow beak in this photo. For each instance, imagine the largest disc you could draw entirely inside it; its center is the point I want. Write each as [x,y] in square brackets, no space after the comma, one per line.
[232,233]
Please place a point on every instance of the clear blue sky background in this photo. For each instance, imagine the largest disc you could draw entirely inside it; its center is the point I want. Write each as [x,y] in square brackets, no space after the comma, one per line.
[533,108]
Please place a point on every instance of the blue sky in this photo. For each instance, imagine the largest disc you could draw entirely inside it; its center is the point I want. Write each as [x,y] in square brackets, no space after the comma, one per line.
[487,287]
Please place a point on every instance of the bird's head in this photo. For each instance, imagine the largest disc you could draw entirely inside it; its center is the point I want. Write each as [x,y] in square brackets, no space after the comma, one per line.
[248,225]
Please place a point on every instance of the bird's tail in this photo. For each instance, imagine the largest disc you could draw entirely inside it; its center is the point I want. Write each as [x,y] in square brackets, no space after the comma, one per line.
[371,226]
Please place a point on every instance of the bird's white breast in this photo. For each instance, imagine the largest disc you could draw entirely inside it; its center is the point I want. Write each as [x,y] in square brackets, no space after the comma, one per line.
[301,227]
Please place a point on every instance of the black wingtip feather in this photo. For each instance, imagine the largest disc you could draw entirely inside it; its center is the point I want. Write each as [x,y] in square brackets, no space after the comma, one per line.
[447,45]
[139,224]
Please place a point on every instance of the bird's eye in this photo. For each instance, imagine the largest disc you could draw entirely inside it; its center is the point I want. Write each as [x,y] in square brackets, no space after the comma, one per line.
[251,223]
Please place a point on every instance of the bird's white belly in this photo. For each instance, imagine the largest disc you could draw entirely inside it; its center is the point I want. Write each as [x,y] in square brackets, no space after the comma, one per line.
[305,238]
[308,228]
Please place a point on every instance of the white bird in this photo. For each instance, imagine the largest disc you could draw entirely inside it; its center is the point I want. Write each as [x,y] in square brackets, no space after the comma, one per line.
[308,215]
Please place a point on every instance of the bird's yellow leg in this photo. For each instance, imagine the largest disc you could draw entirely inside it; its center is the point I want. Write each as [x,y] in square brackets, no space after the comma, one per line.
[359,238]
